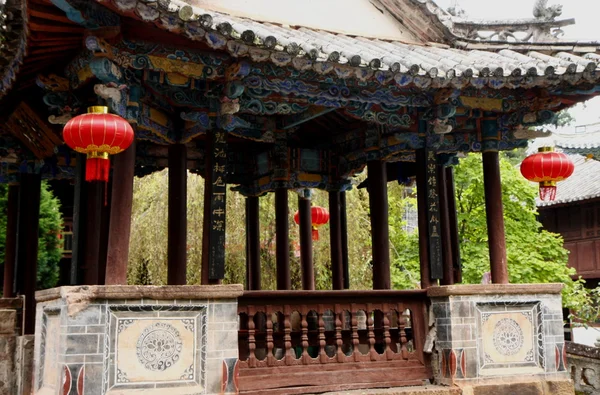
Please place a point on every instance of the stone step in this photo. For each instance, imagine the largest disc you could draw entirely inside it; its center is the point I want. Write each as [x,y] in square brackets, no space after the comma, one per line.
[420,390]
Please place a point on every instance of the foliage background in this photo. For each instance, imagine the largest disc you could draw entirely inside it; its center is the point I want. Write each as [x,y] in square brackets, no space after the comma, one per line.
[49,250]
[534,254]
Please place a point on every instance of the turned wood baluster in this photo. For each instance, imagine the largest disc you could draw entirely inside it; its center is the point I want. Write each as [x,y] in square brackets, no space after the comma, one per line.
[322,343]
[251,338]
[402,326]
[355,340]
[269,317]
[370,327]
[289,352]
[305,356]
[339,316]
[386,331]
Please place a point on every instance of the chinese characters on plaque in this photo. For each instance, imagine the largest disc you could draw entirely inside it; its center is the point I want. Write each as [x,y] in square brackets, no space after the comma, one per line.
[218,172]
[433,216]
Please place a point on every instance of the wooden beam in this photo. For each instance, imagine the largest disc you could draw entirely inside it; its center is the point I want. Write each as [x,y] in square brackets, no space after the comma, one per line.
[306,246]
[253,272]
[27,245]
[335,243]
[378,204]
[177,221]
[344,235]
[422,218]
[495,217]
[311,113]
[120,217]
[282,239]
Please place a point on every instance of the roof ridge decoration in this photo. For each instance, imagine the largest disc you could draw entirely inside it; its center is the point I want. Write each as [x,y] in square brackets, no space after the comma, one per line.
[13,41]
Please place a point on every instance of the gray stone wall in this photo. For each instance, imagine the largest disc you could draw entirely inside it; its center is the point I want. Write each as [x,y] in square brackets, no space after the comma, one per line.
[92,344]
[583,363]
[485,336]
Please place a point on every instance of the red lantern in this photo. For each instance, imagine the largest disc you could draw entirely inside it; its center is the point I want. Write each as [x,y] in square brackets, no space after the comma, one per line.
[319,216]
[98,134]
[547,167]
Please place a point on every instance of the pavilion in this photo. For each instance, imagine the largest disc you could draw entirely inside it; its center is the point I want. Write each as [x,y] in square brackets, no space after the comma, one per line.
[264,98]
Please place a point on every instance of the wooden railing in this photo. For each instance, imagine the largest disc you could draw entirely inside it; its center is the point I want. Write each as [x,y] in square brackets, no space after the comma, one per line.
[332,340]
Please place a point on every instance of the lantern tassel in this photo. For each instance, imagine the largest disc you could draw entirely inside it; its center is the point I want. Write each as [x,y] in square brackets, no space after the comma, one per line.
[97,169]
[315,234]
[547,193]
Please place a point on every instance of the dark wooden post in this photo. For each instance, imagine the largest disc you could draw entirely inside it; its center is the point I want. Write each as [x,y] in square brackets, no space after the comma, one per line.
[335,236]
[27,245]
[378,204]
[253,231]
[95,200]
[105,211]
[344,235]
[282,239]
[177,226]
[495,217]
[79,221]
[422,215]
[10,250]
[306,247]
[447,252]
[453,215]
[120,217]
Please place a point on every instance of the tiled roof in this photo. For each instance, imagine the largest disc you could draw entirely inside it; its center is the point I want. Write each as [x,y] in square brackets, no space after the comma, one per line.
[304,48]
[583,184]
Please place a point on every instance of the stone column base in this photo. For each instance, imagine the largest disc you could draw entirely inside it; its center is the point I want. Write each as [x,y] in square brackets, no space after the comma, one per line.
[491,332]
[175,340]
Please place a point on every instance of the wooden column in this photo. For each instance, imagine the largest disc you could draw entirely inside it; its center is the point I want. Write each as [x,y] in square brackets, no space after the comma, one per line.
[306,247]
[344,235]
[495,217]
[105,211]
[282,239]
[10,250]
[120,217]
[422,215]
[79,221]
[95,200]
[447,253]
[378,203]
[27,245]
[253,230]
[453,216]
[335,244]
[177,225]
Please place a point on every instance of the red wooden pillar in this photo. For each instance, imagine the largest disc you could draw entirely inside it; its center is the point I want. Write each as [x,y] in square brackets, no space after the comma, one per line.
[306,247]
[177,222]
[253,231]
[378,203]
[495,217]
[79,221]
[27,245]
[422,219]
[282,239]
[95,200]
[10,250]
[106,208]
[344,239]
[335,243]
[120,217]
[447,252]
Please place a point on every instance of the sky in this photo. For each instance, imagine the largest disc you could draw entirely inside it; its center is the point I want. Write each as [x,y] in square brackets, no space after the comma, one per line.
[587,27]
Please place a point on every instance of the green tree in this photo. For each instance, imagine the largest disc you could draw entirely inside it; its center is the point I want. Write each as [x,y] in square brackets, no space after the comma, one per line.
[49,250]
[534,255]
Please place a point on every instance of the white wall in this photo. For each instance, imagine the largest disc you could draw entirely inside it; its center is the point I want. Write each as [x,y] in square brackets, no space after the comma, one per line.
[585,336]
[353,17]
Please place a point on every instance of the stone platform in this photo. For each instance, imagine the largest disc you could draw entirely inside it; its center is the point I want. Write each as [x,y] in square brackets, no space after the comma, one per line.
[96,340]
[491,332]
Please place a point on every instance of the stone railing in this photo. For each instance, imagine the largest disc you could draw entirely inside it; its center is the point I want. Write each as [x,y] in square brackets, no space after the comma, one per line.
[584,364]
[327,339]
